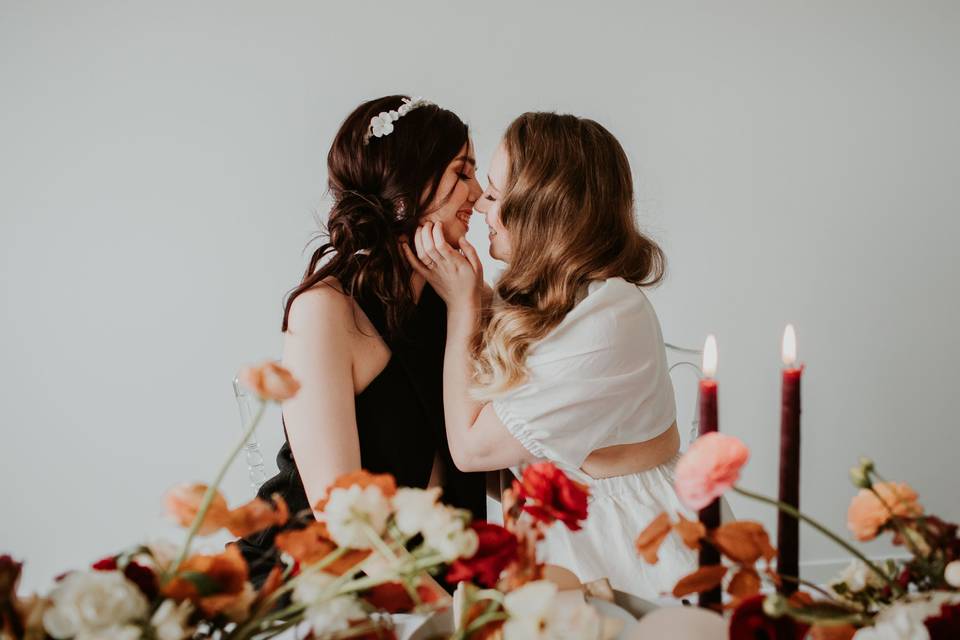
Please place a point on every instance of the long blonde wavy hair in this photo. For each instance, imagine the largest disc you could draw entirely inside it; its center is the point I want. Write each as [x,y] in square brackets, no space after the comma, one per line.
[568,208]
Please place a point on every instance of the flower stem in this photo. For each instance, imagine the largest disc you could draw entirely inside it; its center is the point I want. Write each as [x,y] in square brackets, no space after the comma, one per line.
[485,619]
[212,492]
[808,584]
[786,508]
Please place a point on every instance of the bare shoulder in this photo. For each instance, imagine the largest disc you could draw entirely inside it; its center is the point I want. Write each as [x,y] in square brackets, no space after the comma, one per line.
[325,307]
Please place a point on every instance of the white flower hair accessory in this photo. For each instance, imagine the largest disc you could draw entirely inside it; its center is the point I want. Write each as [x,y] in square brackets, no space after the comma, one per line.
[382,124]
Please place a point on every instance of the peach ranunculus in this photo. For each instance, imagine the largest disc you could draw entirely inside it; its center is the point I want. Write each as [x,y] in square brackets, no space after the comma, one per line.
[257,515]
[709,468]
[270,381]
[867,514]
[183,502]
[216,584]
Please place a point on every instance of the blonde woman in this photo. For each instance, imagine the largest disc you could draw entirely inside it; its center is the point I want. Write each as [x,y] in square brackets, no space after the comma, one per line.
[567,362]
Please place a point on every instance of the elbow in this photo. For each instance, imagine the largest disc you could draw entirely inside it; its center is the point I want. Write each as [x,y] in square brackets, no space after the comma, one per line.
[465,462]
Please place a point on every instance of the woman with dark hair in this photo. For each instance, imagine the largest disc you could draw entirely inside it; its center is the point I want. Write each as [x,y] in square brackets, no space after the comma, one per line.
[363,333]
[568,364]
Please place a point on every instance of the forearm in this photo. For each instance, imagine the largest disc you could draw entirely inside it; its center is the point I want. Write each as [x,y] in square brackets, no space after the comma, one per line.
[460,409]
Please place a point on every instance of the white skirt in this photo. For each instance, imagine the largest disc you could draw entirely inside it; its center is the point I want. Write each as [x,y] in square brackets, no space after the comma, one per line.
[620,508]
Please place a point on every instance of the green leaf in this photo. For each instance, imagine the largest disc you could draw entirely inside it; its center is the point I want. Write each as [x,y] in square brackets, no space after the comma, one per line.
[206,586]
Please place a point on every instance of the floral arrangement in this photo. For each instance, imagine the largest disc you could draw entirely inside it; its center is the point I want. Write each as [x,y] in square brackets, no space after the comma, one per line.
[917,598]
[371,551]
[517,603]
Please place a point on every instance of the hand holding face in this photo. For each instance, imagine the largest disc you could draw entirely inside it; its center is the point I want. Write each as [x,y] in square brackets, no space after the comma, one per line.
[456,276]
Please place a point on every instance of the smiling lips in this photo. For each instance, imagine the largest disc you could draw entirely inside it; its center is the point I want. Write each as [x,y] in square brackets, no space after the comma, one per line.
[464,216]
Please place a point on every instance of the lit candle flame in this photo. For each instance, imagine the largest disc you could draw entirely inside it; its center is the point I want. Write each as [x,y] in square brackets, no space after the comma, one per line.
[710,356]
[789,352]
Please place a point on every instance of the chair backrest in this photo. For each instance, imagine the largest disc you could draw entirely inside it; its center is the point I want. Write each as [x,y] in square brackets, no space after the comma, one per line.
[254,458]
[684,364]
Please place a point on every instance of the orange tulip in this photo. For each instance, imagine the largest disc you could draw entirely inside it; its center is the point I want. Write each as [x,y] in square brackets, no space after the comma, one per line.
[183,503]
[257,515]
[270,381]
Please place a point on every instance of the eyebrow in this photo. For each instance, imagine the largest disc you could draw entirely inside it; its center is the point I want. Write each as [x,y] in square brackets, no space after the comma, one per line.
[491,182]
[472,161]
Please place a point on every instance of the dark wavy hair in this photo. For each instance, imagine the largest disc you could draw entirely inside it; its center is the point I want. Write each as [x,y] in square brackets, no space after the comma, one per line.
[380,188]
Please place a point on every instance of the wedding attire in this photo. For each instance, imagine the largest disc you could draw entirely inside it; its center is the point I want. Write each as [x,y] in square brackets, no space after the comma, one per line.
[400,424]
[599,379]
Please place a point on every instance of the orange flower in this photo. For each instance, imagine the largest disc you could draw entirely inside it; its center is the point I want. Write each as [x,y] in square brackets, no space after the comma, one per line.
[709,468]
[312,544]
[257,515]
[363,479]
[868,513]
[183,503]
[216,584]
[270,381]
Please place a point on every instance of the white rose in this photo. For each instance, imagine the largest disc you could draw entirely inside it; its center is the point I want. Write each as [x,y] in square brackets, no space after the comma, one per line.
[170,620]
[903,620]
[858,576]
[313,587]
[536,613]
[952,574]
[333,615]
[349,511]
[445,532]
[93,601]
[116,632]
[413,508]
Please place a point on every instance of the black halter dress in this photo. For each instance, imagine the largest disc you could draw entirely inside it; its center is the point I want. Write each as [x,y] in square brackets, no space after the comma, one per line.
[399,421]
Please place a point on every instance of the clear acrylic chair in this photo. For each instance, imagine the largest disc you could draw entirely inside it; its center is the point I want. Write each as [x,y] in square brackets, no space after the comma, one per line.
[256,472]
[683,361]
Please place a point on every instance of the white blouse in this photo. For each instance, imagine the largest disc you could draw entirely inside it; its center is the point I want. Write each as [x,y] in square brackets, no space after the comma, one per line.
[598,379]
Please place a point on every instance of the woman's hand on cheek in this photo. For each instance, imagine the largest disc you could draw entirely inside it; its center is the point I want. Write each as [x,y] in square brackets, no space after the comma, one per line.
[456,277]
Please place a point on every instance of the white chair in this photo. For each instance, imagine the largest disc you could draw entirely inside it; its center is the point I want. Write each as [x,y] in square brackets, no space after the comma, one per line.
[683,360]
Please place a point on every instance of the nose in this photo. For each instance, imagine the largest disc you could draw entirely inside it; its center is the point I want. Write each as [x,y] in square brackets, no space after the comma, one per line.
[475,190]
[481,205]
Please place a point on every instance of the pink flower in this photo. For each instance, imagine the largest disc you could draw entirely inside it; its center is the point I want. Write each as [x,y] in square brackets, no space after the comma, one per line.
[710,467]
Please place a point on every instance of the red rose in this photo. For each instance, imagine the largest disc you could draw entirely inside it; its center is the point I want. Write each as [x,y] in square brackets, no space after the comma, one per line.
[946,625]
[749,622]
[497,549]
[548,495]
[391,597]
[143,577]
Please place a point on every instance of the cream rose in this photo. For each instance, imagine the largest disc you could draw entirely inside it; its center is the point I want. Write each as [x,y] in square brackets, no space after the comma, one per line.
[94,604]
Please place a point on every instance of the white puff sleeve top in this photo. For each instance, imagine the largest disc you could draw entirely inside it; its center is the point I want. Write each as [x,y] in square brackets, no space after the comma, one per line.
[598,379]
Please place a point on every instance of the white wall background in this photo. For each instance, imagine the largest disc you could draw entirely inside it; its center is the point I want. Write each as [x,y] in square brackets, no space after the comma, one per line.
[161,165]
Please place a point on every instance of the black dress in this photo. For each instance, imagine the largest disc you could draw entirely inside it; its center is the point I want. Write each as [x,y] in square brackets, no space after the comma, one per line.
[399,421]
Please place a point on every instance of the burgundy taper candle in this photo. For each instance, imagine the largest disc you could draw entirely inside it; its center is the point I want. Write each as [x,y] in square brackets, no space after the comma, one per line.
[709,515]
[788,528]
